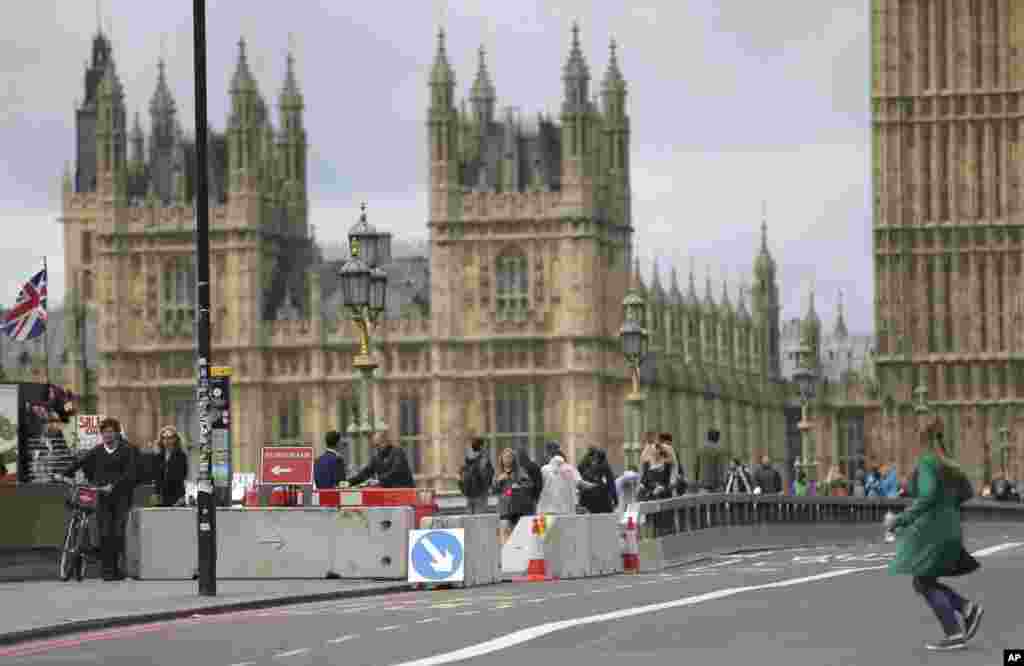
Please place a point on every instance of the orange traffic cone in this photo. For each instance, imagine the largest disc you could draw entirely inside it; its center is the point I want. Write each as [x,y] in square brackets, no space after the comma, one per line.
[537,568]
[630,548]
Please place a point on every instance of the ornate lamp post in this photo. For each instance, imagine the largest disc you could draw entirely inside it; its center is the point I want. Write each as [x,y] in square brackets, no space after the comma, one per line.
[364,293]
[806,381]
[634,348]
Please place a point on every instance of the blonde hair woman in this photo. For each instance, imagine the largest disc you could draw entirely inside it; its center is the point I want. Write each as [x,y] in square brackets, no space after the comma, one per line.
[514,488]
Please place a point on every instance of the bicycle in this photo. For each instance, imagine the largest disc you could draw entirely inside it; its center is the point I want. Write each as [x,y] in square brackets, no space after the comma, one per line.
[81,499]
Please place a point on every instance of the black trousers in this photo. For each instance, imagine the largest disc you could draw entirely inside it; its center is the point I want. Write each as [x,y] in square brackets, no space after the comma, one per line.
[111,519]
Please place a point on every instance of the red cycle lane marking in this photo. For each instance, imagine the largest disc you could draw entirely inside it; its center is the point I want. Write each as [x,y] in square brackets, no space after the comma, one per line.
[47,645]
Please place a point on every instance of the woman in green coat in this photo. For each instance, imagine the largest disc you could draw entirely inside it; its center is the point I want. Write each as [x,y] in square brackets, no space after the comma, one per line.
[931,540]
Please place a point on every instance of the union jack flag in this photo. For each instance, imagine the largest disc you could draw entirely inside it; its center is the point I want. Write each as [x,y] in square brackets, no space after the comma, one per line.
[27,319]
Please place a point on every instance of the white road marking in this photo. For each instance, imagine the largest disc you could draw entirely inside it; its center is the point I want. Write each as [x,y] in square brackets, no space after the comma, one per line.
[342,639]
[469,613]
[389,627]
[244,663]
[623,587]
[291,653]
[992,550]
[541,630]
[565,595]
[429,619]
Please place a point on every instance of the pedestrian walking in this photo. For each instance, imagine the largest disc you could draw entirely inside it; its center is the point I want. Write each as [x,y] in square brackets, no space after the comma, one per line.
[171,468]
[389,467]
[476,477]
[767,478]
[930,539]
[602,496]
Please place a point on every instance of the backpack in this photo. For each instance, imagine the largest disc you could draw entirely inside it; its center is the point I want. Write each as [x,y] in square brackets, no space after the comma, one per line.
[473,483]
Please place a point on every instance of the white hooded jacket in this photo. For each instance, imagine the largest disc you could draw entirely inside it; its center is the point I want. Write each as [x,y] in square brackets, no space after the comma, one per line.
[558,494]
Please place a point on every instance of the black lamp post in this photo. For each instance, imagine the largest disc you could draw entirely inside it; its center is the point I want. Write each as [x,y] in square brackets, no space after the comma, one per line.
[364,290]
[634,347]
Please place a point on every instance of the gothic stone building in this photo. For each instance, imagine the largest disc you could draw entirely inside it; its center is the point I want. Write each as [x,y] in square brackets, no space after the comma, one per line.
[508,328]
[947,115]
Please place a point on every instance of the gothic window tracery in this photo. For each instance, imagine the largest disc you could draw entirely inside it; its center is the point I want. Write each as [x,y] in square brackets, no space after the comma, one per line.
[512,284]
[178,303]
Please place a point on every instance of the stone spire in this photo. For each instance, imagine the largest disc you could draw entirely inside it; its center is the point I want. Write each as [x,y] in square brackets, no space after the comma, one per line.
[242,80]
[675,294]
[483,95]
[441,73]
[726,303]
[656,289]
[764,265]
[691,291]
[576,75]
[741,307]
[138,141]
[613,79]
[161,105]
[841,331]
[709,298]
[291,95]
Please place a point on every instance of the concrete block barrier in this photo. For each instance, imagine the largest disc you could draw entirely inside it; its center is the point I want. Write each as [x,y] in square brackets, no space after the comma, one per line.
[605,549]
[482,557]
[311,543]
[371,542]
[567,547]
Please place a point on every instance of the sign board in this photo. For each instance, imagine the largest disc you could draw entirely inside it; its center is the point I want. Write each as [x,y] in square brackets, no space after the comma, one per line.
[89,431]
[286,465]
[219,412]
[437,556]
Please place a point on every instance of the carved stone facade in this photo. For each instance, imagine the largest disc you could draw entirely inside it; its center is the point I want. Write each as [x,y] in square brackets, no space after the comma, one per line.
[947,115]
[509,328]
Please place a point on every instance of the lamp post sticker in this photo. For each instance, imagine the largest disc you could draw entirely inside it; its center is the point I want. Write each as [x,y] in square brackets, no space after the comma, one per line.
[436,556]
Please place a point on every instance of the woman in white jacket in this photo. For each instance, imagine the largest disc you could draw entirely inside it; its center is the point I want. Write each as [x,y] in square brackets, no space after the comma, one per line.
[561,481]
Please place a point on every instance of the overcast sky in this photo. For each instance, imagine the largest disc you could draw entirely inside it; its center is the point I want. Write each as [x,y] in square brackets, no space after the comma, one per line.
[732,103]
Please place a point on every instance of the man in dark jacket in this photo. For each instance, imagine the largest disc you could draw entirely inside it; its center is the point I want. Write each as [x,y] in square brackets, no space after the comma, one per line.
[477,476]
[533,471]
[112,467]
[768,478]
[330,467]
[389,467]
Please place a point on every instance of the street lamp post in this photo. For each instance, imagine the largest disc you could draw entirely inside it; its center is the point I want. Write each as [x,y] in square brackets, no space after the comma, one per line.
[634,348]
[806,379]
[364,294]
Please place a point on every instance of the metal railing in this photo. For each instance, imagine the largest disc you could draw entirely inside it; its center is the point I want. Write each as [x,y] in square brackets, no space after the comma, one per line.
[691,513]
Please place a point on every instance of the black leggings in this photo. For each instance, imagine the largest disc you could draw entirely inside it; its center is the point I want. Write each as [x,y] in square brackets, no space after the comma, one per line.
[943,601]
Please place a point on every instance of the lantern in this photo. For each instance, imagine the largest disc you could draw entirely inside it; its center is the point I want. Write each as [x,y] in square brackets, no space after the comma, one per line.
[634,341]
[378,290]
[355,283]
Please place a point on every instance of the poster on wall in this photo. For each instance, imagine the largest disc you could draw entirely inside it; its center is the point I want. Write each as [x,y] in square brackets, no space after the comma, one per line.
[220,435]
[9,427]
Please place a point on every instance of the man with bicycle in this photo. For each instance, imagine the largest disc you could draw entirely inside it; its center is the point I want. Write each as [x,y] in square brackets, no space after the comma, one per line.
[111,466]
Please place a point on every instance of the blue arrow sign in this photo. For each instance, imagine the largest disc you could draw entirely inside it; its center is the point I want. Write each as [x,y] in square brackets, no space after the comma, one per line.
[436,555]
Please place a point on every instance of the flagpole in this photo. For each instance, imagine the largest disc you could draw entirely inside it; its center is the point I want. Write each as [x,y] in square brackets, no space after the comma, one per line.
[46,324]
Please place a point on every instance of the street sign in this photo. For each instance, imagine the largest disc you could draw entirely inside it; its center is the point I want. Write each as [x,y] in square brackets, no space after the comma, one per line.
[286,465]
[436,556]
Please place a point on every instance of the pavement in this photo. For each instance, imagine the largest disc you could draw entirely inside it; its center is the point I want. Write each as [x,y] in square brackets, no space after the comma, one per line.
[803,607]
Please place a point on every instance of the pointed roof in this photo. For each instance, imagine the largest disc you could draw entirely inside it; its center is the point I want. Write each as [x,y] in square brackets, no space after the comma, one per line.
[110,85]
[441,73]
[675,294]
[764,264]
[691,290]
[243,79]
[483,87]
[726,302]
[841,331]
[810,327]
[137,133]
[291,95]
[613,79]
[576,65]
[638,281]
[656,288]
[709,298]
[162,103]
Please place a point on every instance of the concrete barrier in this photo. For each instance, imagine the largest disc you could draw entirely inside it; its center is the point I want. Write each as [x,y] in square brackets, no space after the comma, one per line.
[371,542]
[368,542]
[567,547]
[605,537]
[482,557]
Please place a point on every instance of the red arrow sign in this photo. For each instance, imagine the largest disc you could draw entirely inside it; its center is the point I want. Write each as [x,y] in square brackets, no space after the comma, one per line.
[286,465]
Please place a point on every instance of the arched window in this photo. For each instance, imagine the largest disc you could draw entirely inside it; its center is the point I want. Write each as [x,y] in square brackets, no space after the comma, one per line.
[179,295]
[512,285]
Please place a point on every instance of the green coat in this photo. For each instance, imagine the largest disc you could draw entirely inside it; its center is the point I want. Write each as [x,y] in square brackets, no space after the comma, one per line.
[929,532]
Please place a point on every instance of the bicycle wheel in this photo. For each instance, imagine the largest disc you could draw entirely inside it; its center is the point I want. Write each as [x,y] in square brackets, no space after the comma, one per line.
[69,552]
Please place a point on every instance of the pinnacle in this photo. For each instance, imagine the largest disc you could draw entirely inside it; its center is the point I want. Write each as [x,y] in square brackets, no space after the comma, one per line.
[442,71]
[483,87]
[613,76]
[576,66]
[242,80]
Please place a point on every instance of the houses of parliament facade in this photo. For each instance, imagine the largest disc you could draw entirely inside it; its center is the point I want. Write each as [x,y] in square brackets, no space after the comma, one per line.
[508,327]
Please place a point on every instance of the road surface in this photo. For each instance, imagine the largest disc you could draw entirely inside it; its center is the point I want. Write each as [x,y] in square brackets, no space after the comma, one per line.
[803,607]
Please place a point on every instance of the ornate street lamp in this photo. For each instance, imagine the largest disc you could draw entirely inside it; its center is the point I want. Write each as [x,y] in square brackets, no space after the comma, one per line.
[806,383]
[364,289]
[634,347]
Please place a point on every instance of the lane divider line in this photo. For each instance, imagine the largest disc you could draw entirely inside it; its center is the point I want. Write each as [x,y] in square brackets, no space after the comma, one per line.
[391,627]
[342,639]
[291,653]
[539,631]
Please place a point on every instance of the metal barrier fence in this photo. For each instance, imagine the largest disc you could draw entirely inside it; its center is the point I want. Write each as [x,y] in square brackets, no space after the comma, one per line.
[692,513]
